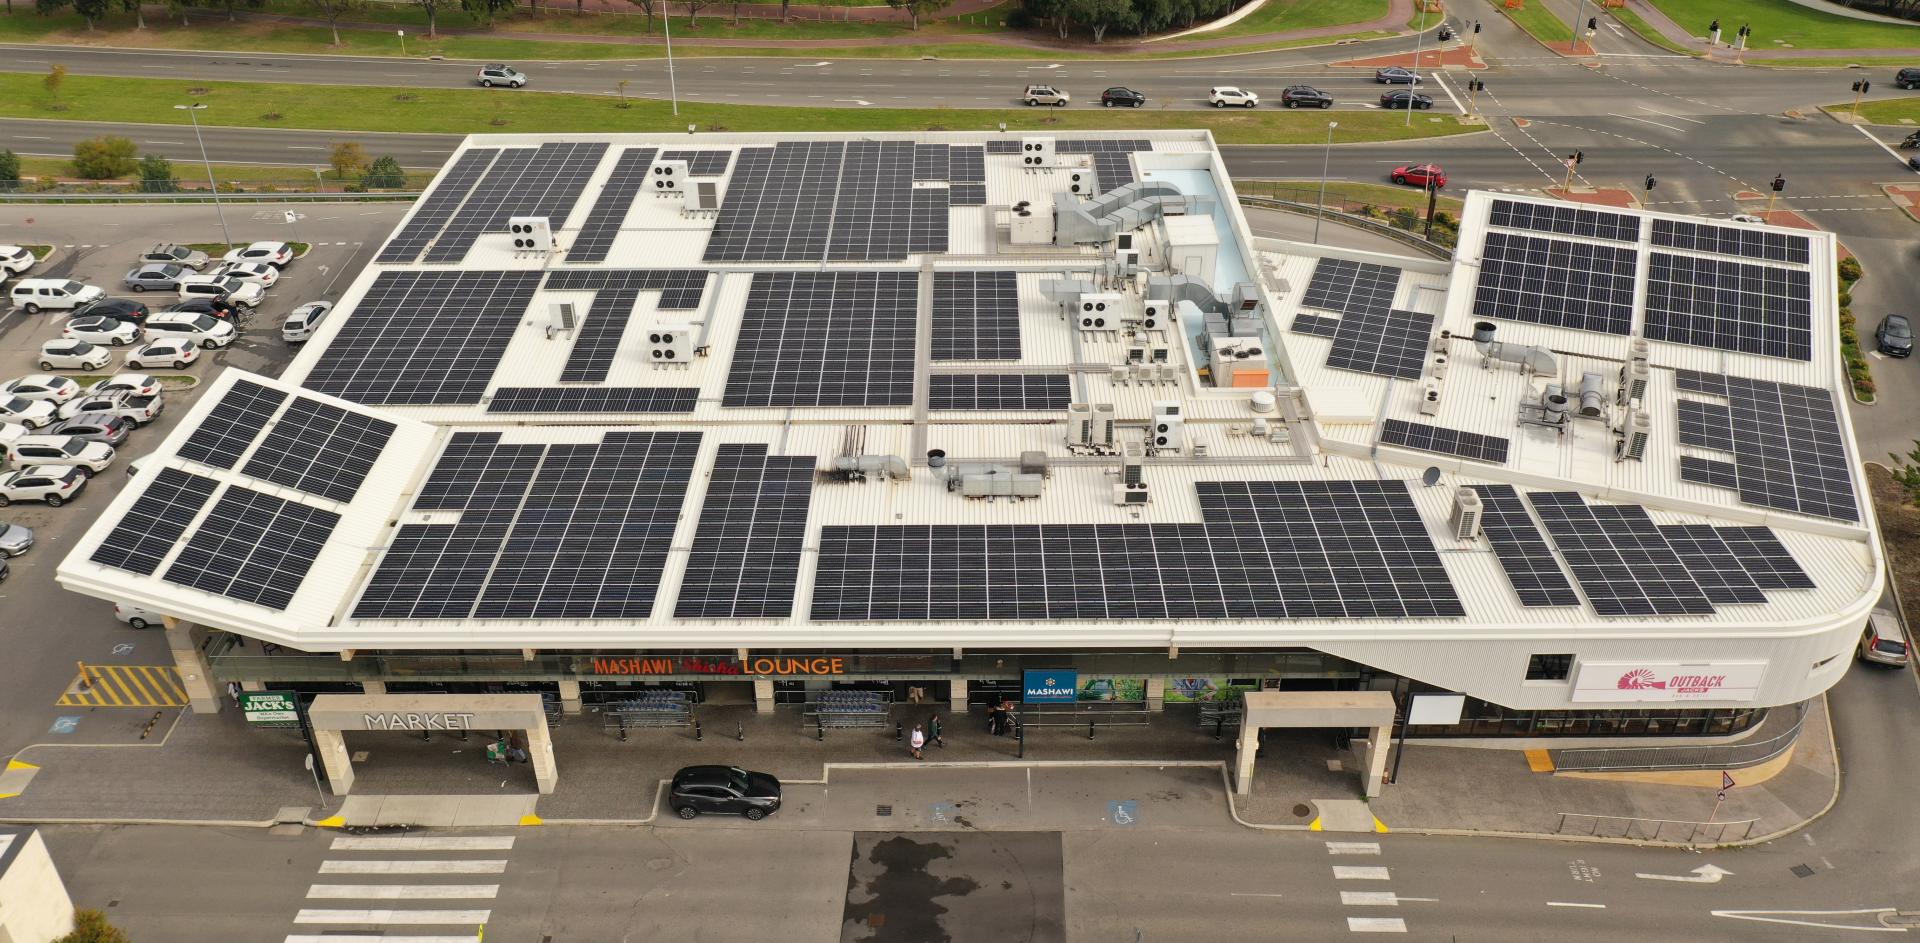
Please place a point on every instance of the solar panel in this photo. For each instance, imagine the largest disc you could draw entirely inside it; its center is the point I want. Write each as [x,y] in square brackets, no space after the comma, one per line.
[745,561]
[593,399]
[543,181]
[232,424]
[1304,323]
[1732,240]
[780,204]
[611,206]
[1728,305]
[1097,146]
[472,471]
[999,391]
[1621,560]
[967,194]
[1567,220]
[927,231]
[1113,169]
[874,215]
[1429,438]
[1003,147]
[1765,558]
[1529,563]
[967,164]
[1346,286]
[607,317]
[1712,564]
[1267,549]
[420,338]
[438,206]
[826,339]
[1581,285]
[702,163]
[931,162]
[1384,343]
[976,316]
[253,547]
[321,449]
[150,529]
[1788,450]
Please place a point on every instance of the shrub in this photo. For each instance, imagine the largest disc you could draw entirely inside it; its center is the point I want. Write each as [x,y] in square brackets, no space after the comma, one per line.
[1846,299]
[384,173]
[9,168]
[1850,269]
[91,926]
[156,175]
[104,157]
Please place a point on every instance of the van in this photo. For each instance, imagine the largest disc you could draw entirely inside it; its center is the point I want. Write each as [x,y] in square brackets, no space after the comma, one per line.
[239,291]
[1883,643]
[27,450]
[205,331]
[34,295]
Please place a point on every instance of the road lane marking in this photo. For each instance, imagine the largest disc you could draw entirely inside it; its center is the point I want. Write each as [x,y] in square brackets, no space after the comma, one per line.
[447,917]
[1376,925]
[1562,903]
[1255,895]
[1350,873]
[1353,848]
[1671,115]
[377,938]
[1704,874]
[1883,144]
[1647,121]
[1369,899]
[1756,915]
[424,866]
[424,843]
[403,891]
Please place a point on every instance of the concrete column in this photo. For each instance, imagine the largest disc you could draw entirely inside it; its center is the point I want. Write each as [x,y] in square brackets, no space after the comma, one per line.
[569,697]
[1243,759]
[373,687]
[763,695]
[1156,694]
[540,748]
[1376,750]
[195,674]
[253,685]
[334,758]
[957,697]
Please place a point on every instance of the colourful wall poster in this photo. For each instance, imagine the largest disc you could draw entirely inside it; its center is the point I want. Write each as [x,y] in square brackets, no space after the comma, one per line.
[1113,689]
[1185,690]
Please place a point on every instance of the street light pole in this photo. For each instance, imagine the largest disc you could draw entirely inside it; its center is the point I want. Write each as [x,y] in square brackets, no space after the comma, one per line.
[1326,159]
[211,183]
[1413,89]
[673,88]
[1573,45]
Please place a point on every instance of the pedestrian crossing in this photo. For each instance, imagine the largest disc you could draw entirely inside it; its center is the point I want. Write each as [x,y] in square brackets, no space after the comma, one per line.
[1369,898]
[441,912]
[125,686]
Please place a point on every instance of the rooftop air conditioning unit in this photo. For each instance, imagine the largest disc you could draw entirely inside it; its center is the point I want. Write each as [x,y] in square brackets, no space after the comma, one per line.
[1105,418]
[531,234]
[1634,432]
[1634,376]
[1082,183]
[1036,153]
[1132,486]
[1169,430]
[670,345]
[1156,316]
[1465,519]
[1079,424]
[1098,312]
[669,178]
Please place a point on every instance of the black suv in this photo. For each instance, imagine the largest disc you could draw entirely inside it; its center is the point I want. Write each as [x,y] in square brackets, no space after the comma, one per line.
[1122,96]
[1297,95]
[1908,78]
[723,790]
[119,309]
[1895,336]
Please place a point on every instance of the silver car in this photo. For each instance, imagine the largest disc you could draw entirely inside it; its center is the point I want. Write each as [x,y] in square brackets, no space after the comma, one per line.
[15,539]
[158,276]
[96,427]
[1883,643]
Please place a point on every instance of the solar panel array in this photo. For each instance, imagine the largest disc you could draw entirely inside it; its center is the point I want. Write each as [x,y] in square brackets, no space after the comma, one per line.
[1430,438]
[932,162]
[1788,450]
[1304,323]
[976,316]
[253,547]
[927,229]
[999,391]
[593,399]
[611,206]
[152,527]
[1113,169]
[232,424]
[967,194]
[1567,220]
[543,181]
[1267,550]
[1529,563]
[1731,240]
[420,338]
[438,206]
[1766,559]
[472,470]
[1581,285]
[1728,305]
[873,218]
[702,163]
[745,561]
[1712,564]
[321,449]
[1346,286]
[607,317]
[779,205]
[1384,343]
[1619,556]
[967,174]
[825,339]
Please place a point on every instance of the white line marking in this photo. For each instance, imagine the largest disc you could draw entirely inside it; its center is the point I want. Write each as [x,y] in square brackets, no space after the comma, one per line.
[1883,144]
[403,891]
[424,843]
[1562,903]
[1704,874]
[497,866]
[1755,916]
[1645,121]
[1353,848]
[1376,925]
[1369,899]
[1441,81]
[32,137]
[176,143]
[1671,115]
[377,938]
[1349,873]
[448,917]
[1255,895]
[305,147]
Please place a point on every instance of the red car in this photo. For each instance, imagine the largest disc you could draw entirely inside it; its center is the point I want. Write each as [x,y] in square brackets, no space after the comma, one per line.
[1419,175]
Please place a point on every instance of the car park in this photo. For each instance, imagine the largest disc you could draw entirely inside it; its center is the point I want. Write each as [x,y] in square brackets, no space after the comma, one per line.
[1894,337]
[139,384]
[47,386]
[215,305]
[34,295]
[28,451]
[1297,96]
[120,309]
[175,352]
[1122,96]
[1883,643]
[276,254]
[129,406]
[1230,96]
[1403,99]
[16,259]
[496,74]
[303,321]
[1420,175]
[101,331]
[155,276]
[32,413]
[95,427]
[723,790]
[69,354]
[169,254]
[236,291]
[1045,95]
[15,539]
[137,617]
[1907,78]
[54,484]
[259,273]
[208,333]
[1394,75]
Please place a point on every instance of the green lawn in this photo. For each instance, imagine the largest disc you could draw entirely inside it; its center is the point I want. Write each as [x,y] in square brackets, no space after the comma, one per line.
[1540,23]
[1788,22]
[465,111]
[1884,112]
[1281,15]
[1635,22]
[192,174]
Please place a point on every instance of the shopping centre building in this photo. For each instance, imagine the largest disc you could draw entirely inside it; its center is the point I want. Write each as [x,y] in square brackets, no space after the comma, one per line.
[759,417]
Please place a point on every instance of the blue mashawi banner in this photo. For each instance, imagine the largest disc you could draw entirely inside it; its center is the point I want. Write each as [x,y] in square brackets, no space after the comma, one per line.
[1051,687]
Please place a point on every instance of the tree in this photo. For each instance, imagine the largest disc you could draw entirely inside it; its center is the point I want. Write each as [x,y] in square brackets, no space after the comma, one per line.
[915,7]
[693,12]
[646,5]
[1101,15]
[479,9]
[177,8]
[55,77]
[347,157]
[9,169]
[432,7]
[1907,472]
[139,14]
[384,173]
[333,10]
[156,175]
[91,926]
[104,157]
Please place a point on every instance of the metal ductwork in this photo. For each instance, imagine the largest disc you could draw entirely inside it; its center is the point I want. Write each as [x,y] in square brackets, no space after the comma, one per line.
[1178,288]
[890,466]
[1537,360]
[1591,395]
[1122,209]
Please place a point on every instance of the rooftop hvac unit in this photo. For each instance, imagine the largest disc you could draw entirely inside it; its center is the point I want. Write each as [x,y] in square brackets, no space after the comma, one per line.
[1634,432]
[1429,398]
[1080,424]
[1036,153]
[531,234]
[1123,241]
[1098,312]
[1465,519]
[669,178]
[706,195]
[1104,420]
[1438,366]
[1246,297]
[670,345]
[1030,227]
[1638,351]
[1081,183]
[1155,316]
[1592,395]
[1634,376]
[1132,486]
[1169,430]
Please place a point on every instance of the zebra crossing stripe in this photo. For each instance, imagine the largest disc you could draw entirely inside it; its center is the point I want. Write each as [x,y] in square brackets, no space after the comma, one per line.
[448,917]
[403,891]
[1376,925]
[1369,899]
[1359,874]
[378,938]
[495,866]
[1353,848]
[423,843]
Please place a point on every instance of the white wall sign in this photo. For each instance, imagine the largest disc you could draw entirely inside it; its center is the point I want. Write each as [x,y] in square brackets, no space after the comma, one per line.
[1666,681]
[1443,709]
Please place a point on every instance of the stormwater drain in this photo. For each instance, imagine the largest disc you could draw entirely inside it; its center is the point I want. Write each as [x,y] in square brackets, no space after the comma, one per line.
[1302,810]
[883,810]
[1802,871]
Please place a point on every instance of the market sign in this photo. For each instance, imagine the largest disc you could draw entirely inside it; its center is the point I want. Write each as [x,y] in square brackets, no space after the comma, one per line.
[269,707]
[1050,687]
[1665,682]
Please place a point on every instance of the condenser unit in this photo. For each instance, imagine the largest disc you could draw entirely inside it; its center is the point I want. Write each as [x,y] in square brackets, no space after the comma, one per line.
[670,344]
[531,234]
[1098,312]
[1465,519]
[1168,432]
[1036,153]
[668,178]
[1082,183]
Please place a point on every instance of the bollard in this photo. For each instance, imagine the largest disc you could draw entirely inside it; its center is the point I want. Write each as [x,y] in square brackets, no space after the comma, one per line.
[1020,737]
[623,728]
[463,735]
[739,732]
[696,730]
[86,683]
[1219,724]
[896,732]
[426,736]
[822,735]
[1089,730]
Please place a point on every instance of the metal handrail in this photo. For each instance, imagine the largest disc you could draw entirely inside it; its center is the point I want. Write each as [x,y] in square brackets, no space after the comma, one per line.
[1706,756]
[1693,830]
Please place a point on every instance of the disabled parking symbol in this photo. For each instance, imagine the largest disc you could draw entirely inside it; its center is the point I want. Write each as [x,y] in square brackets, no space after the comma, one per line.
[1123,811]
[942,813]
[66,724]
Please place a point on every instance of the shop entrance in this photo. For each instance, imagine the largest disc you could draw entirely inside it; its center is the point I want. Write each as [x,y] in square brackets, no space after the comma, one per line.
[330,714]
[1369,710]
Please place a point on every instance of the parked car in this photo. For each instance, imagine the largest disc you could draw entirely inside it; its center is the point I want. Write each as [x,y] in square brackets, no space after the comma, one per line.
[215,305]
[69,354]
[1121,95]
[208,333]
[95,427]
[1295,96]
[139,384]
[1883,643]
[1908,78]
[175,352]
[137,617]
[1394,75]
[1403,99]
[1223,96]
[1045,95]
[169,254]
[54,484]
[47,451]
[1895,336]
[15,539]
[106,331]
[31,413]
[1745,218]
[259,272]
[129,406]
[47,386]
[156,276]
[491,75]
[723,790]
[34,295]
[303,321]
[1419,175]
[16,259]
[236,291]
[276,254]
[120,309]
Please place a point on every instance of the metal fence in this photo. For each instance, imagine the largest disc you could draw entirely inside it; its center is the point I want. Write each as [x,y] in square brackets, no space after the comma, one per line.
[1624,826]
[1407,220]
[1704,756]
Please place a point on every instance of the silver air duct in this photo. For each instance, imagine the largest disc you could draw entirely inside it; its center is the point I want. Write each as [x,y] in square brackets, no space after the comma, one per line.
[1537,360]
[1591,397]
[891,466]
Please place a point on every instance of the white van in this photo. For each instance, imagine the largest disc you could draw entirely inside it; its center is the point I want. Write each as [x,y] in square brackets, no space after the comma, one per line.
[28,450]
[239,291]
[34,295]
[205,331]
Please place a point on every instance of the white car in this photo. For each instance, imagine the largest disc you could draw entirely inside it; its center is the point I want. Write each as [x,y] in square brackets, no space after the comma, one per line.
[112,332]
[303,321]
[137,617]
[276,254]
[44,451]
[16,259]
[46,386]
[238,291]
[175,352]
[257,272]
[54,484]
[139,384]
[205,330]
[32,413]
[139,409]
[34,295]
[70,354]
[1745,218]
[1228,95]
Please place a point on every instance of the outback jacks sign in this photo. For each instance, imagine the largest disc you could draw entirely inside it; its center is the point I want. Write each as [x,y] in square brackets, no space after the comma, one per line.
[1641,682]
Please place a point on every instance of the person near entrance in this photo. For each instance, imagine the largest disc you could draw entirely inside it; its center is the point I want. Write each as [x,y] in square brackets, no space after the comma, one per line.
[916,741]
[933,731]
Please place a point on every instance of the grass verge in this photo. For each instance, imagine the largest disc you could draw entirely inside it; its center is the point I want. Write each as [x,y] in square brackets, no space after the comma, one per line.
[1282,15]
[1859,371]
[192,176]
[39,252]
[1832,63]
[1884,112]
[1899,528]
[1777,23]
[215,250]
[1540,23]
[1639,25]
[464,111]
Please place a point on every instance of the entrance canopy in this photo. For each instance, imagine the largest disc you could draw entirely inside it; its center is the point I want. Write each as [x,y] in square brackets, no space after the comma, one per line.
[1370,709]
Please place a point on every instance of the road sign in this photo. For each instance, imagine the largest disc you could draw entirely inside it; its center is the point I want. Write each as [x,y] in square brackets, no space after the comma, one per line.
[1726,782]
[1720,796]
[269,707]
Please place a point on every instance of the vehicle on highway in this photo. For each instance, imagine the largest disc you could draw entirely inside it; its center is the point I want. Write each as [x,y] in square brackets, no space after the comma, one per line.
[1403,99]
[175,352]
[34,295]
[157,276]
[16,259]
[129,406]
[169,254]
[54,484]
[276,254]
[216,305]
[120,309]
[1419,175]
[236,291]
[108,331]
[496,74]
[1908,78]
[95,427]
[1226,96]
[1394,75]
[69,354]
[1913,164]
[47,451]
[260,273]
[303,321]
[209,333]
[137,617]
[32,413]
[1123,96]
[1883,643]
[1297,96]
[1895,336]
[723,790]
[1045,95]
[47,386]
[15,539]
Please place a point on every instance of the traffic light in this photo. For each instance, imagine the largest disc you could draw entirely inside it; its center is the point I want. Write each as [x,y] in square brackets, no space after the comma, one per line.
[1863,86]
[1713,27]
[1779,183]
[1579,157]
[1650,183]
[1593,24]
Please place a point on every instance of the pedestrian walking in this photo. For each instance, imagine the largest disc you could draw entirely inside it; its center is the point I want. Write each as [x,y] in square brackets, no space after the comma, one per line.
[233,691]
[918,740]
[933,732]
